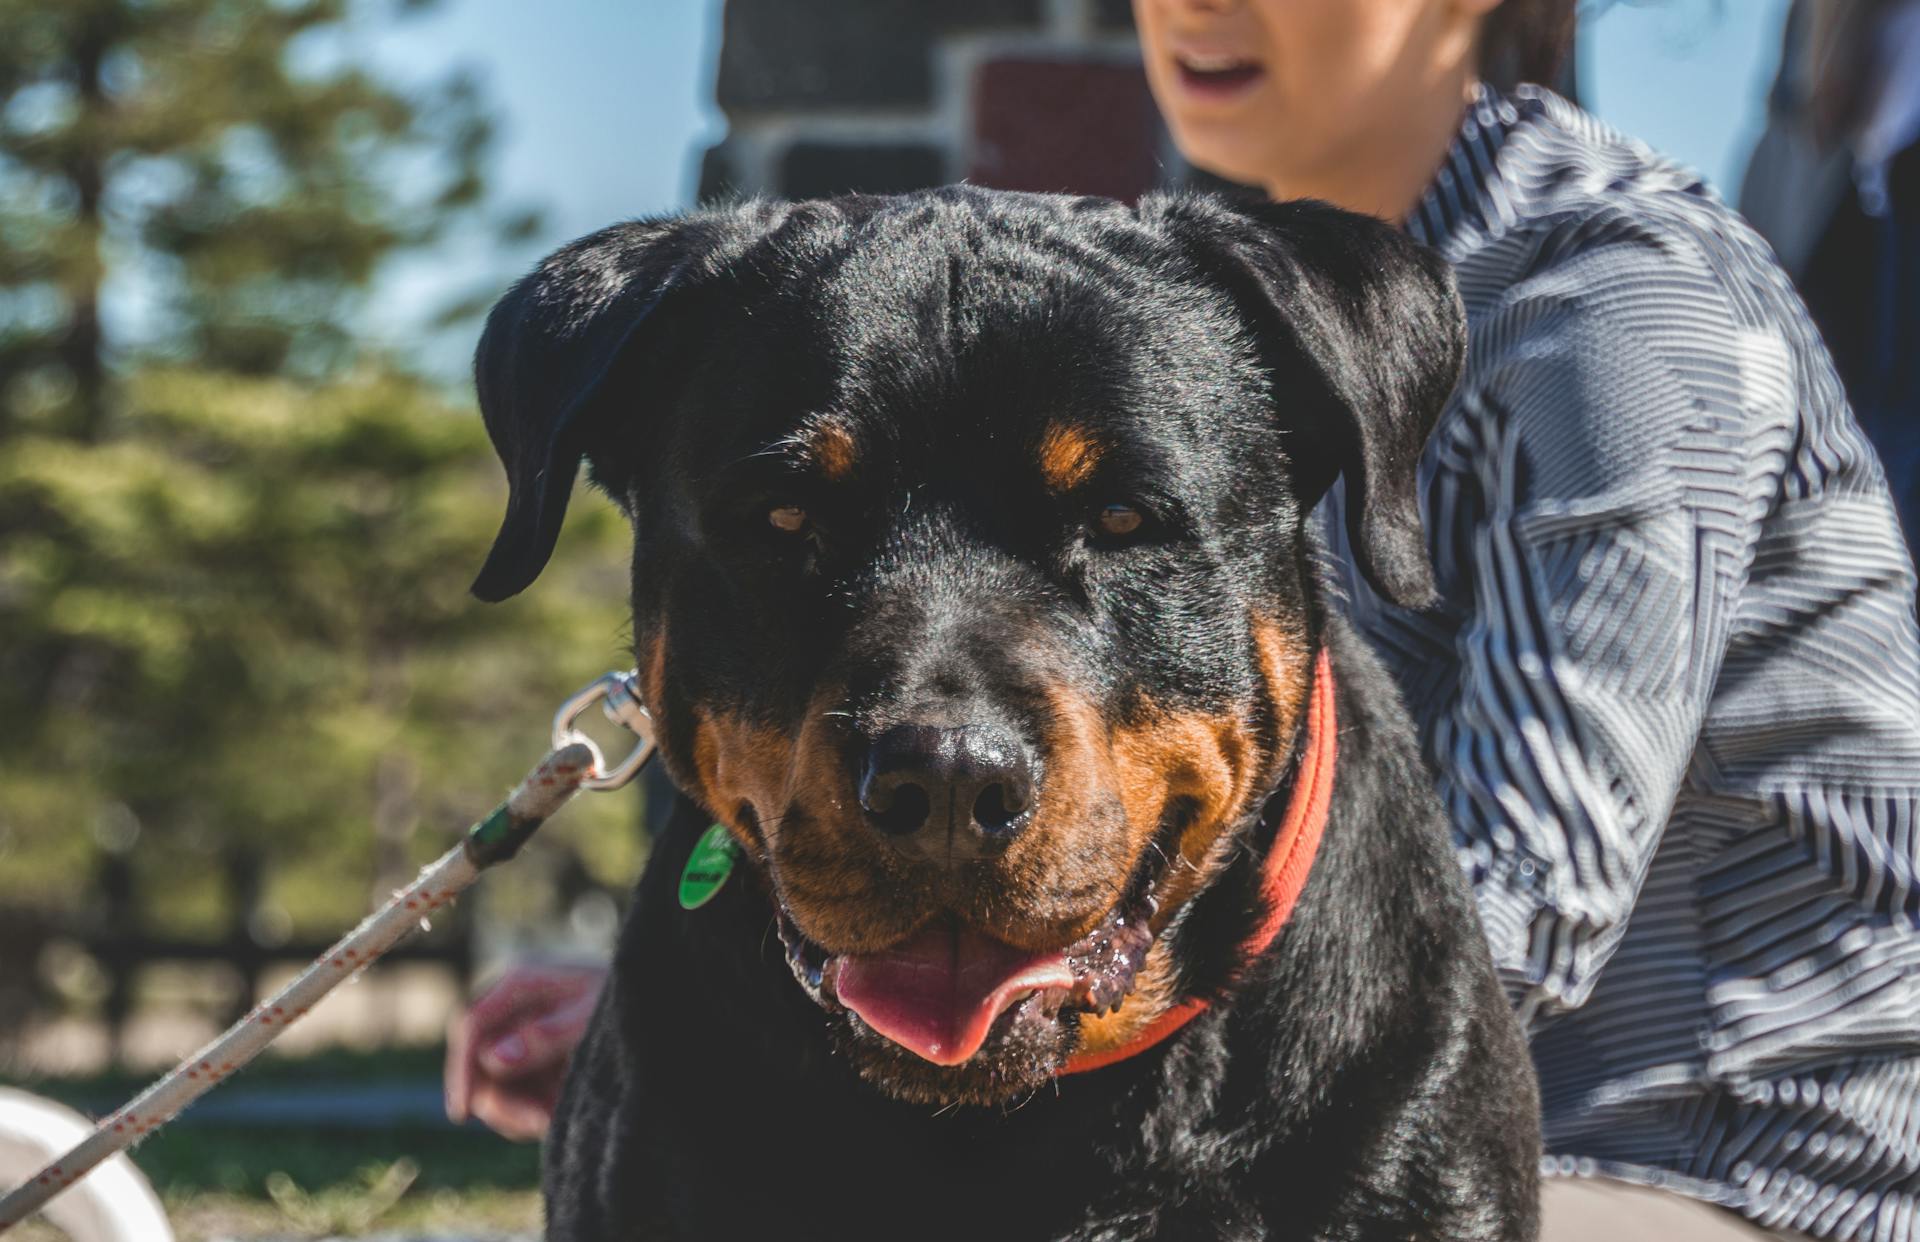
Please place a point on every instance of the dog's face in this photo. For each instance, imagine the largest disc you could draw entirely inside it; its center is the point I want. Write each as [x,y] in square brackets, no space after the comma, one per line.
[969,575]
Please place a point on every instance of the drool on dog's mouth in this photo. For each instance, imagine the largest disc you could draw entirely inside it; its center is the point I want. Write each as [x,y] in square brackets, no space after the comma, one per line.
[943,991]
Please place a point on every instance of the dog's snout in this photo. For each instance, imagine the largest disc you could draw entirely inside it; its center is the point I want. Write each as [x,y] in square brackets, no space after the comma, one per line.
[948,792]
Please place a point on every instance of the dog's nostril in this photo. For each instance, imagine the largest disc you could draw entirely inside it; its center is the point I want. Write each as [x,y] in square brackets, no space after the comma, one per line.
[994,810]
[900,808]
[947,792]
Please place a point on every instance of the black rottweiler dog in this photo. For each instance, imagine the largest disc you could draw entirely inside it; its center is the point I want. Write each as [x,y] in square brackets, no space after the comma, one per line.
[974,593]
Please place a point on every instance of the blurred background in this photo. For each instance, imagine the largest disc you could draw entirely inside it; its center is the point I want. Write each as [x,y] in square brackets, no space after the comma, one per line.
[244,245]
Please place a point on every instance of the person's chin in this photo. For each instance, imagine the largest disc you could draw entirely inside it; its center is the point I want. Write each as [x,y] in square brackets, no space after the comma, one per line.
[1225,151]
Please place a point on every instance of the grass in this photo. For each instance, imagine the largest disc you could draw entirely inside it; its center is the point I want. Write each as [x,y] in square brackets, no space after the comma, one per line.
[232,1181]
[217,1218]
[337,1212]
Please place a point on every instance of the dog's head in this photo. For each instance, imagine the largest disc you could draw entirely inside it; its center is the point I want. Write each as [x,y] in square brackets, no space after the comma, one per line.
[970,579]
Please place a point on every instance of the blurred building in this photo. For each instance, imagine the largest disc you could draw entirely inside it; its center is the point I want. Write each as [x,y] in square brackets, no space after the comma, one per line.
[827,96]
[883,96]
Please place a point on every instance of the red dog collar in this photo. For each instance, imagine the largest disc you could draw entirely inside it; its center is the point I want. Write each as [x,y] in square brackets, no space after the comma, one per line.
[1296,839]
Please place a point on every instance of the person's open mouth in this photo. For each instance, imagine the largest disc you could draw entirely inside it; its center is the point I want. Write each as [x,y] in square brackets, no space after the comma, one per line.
[942,992]
[1217,75]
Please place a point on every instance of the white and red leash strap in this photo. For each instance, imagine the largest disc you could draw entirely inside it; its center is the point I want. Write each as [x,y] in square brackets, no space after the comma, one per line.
[574,764]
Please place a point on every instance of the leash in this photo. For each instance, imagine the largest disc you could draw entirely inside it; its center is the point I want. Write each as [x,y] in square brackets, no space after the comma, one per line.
[1296,840]
[574,763]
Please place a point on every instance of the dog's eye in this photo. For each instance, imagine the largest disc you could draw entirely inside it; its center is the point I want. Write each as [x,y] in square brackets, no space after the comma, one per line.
[791,519]
[1118,520]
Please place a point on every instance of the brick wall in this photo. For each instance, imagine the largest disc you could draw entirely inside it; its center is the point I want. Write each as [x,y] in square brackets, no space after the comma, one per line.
[824,96]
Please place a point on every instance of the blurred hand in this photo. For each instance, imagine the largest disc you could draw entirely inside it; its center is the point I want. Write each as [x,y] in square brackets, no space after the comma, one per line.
[507,1054]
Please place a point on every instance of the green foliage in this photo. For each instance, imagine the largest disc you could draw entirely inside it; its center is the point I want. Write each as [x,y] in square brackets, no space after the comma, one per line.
[258,590]
[223,154]
[235,540]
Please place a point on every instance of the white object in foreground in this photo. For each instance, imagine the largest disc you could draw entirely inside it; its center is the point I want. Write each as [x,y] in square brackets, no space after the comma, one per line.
[115,1204]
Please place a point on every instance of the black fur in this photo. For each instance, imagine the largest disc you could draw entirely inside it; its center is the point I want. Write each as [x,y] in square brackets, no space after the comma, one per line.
[1363,1079]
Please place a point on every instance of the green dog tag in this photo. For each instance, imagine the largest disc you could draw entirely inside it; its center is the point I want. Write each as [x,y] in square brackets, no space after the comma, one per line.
[708,867]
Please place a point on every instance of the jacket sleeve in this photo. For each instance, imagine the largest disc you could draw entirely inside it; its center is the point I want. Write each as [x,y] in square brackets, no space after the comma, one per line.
[1595,498]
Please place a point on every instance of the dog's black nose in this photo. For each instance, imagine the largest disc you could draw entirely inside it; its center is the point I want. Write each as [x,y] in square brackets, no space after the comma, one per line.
[948,793]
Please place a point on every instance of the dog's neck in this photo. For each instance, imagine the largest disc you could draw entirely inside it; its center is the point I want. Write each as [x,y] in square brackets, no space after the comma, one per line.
[1284,870]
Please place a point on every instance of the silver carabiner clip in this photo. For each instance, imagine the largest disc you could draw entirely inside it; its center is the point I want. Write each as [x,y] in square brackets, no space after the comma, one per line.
[619,697]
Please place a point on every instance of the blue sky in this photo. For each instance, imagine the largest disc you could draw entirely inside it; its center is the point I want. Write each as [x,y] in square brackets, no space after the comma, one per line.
[605,106]
[1688,77]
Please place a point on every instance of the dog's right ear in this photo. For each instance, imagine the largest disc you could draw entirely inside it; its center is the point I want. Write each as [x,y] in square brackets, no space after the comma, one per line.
[1378,323]
[556,340]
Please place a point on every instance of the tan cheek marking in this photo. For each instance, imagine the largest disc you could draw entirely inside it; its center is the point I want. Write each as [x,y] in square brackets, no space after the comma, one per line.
[1244,762]
[1073,851]
[833,450]
[1211,761]
[833,876]
[739,762]
[832,884]
[1195,756]
[1221,763]
[1068,457]
[653,672]
[1286,666]
[818,779]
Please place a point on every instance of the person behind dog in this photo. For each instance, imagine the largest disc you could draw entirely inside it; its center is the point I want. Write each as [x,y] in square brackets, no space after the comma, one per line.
[1834,187]
[1674,674]
[1671,693]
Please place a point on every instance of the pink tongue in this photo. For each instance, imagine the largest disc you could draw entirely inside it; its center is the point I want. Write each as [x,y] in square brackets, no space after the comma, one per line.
[937,994]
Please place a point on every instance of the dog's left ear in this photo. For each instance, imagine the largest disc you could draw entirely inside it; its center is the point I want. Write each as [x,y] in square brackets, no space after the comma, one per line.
[593,310]
[1379,323]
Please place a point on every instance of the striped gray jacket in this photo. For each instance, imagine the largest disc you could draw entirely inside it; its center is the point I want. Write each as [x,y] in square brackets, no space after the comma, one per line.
[1672,693]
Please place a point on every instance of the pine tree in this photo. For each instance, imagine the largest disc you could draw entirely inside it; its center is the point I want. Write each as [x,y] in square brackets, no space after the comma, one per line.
[203,149]
[234,536]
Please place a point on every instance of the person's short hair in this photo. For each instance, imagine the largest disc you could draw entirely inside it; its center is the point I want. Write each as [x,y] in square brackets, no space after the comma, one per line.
[1526,41]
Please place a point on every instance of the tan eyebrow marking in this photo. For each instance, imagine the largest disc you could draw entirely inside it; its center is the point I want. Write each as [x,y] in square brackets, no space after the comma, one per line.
[831,447]
[1068,457]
